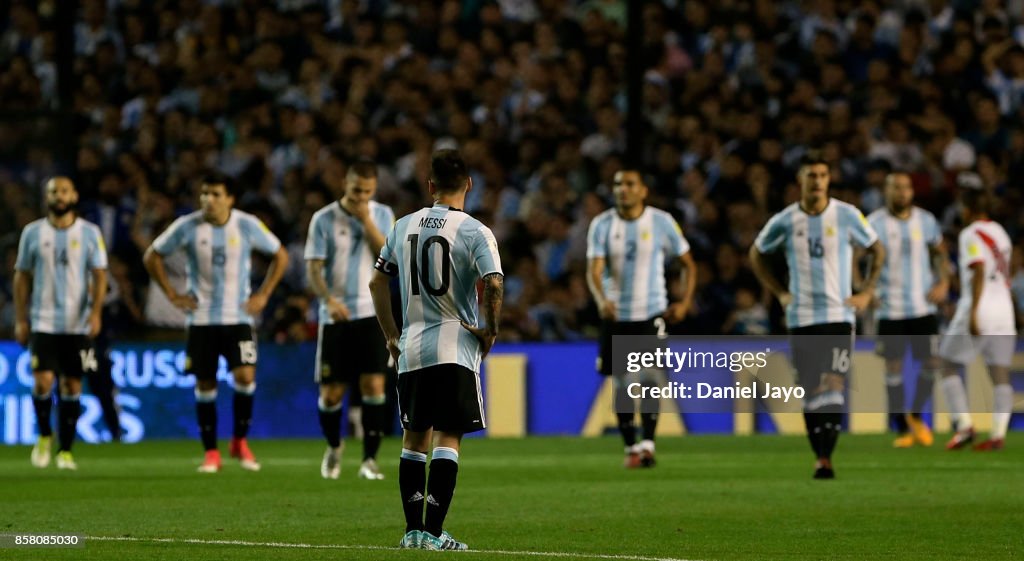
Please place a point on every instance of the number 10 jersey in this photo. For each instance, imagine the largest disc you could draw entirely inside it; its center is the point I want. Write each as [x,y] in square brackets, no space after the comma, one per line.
[439,254]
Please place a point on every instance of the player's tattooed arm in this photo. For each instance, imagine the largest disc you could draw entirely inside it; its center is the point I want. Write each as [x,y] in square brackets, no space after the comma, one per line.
[877,253]
[940,266]
[862,299]
[494,294]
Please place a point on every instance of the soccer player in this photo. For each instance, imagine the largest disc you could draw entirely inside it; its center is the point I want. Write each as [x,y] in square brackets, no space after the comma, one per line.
[626,252]
[218,241]
[984,319]
[344,239]
[439,253]
[61,269]
[913,280]
[817,234]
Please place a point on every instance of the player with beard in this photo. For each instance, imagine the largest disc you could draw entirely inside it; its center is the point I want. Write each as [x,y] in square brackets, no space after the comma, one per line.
[914,279]
[60,282]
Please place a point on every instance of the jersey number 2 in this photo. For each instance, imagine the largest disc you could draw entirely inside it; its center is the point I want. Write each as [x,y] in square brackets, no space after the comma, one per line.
[421,273]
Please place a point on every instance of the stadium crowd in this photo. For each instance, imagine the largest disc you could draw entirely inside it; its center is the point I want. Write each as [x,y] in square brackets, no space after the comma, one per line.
[282,94]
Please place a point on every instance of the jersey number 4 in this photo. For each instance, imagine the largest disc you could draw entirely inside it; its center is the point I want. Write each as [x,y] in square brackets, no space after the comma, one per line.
[421,273]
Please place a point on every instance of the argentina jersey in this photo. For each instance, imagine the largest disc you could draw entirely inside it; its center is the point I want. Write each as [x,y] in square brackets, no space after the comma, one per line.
[819,254]
[907,272]
[635,252]
[219,263]
[338,238]
[61,261]
[439,254]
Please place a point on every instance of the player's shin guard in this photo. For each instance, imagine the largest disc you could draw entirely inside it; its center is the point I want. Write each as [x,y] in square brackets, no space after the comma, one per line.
[242,409]
[374,420]
[330,422]
[43,404]
[897,397]
[649,409]
[412,483]
[648,424]
[814,436]
[444,469]
[823,416]
[649,406]
[68,411]
[624,409]
[832,425]
[924,389]
[206,415]
[626,428]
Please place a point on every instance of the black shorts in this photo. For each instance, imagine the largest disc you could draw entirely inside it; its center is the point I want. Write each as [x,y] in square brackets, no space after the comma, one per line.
[348,349]
[921,333]
[653,326]
[65,355]
[826,348]
[207,343]
[444,397]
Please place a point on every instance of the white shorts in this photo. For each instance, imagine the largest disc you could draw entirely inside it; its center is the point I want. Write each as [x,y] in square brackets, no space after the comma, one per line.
[996,344]
[997,350]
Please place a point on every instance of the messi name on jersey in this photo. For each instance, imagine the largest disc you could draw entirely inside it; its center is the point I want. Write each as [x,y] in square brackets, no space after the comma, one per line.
[432,222]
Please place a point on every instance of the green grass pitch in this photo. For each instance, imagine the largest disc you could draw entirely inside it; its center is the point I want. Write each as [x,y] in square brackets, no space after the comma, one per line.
[709,498]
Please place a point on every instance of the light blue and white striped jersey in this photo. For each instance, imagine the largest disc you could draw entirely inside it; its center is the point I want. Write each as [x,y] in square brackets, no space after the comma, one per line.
[819,252]
[219,263]
[339,239]
[439,254]
[61,261]
[907,272]
[635,252]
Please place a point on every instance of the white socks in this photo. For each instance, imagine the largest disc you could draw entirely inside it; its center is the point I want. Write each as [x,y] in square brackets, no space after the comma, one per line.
[956,400]
[1002,408]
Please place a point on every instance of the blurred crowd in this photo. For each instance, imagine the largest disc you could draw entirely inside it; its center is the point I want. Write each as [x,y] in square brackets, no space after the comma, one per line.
[282,94]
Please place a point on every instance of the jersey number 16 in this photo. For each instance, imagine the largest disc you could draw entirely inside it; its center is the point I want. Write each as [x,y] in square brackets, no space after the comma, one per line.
[815,248]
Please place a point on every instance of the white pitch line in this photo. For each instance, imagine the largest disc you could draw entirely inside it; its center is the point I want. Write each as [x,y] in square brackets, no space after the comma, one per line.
[565,554]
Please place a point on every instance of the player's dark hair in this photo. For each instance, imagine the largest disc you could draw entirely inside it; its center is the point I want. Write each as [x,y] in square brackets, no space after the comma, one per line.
[812,157]
[978,201]
[218,178]
[363,168]
[448,171]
